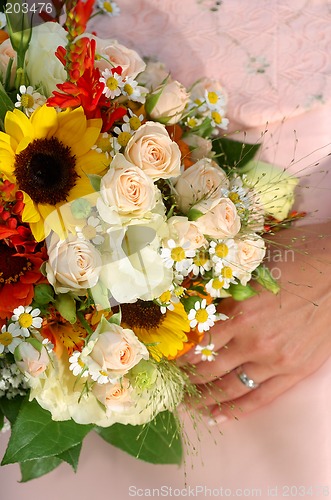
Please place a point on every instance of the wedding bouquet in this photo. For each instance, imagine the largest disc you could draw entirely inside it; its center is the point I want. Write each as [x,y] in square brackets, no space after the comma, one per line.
[126,216]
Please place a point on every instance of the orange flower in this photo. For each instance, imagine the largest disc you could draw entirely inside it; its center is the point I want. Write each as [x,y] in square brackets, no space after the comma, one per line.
[176,133]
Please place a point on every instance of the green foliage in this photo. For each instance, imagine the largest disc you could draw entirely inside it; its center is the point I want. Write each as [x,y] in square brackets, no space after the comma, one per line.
[241,292]
[264,277]
[36,468]
[233,154]
[158,442]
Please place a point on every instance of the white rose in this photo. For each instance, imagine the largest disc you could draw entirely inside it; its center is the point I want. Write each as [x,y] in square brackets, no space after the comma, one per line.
[6,53]
[200,147]
[127,189]
[152,150]
[220,219]
[204,179]
[273,185]
[117,349]
[133,268]
[250,253]
[171,103]
[41,65]
[73,264]
[31,360]
[182,230]
[113,54]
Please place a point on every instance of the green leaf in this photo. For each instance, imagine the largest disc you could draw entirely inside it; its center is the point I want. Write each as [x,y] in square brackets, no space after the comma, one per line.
[189,302]
[35,435]
[95,181]
[36,468]
[241,292]
[194,214]
[11,407]
[233,153]
[158,442]
[2,420]
[66,305]
[43,294]
[6,103]
[71,456]
[151,100]
[264,277]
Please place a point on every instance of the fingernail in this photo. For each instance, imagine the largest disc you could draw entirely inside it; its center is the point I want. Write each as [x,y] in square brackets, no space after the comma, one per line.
[217,419]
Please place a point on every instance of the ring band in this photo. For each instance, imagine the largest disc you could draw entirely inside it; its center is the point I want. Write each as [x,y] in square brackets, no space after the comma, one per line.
[244,378]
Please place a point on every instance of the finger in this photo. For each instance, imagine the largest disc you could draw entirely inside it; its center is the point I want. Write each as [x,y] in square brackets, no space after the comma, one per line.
[231,387]
[263,395]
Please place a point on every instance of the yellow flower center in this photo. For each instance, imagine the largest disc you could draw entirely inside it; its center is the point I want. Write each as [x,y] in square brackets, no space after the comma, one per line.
[217,284]
[27,100]
[128,89]
[179,291]
[227,272]
[102,372]
[206,352]
[134,122]
[200,259]
[216,117]
[234,197]
[221,250]
[80,362]
[6,338]
[112,83]
[212,97]
[166,296]
[201,316]
[191,122]
[25,320]
[108,7]
[104,144]
[123,138]
[178,254]
[89,232]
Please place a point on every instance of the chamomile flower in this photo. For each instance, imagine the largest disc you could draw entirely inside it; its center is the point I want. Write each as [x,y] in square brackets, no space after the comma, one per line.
[201,263]
[215,100]
[133,91]
[133,120]
[9,338]
[207,352]
[113,83]
[218,120]
[91,231]
[104,144]
[3,20]
[222,250]
[99,376]
[29,100]
[214,287]
[77,364]
[26,318]
[124,134]
[193,121]
[167,300]
[109,7]
[202,316]
[178,256]
[48,345]
[226,273]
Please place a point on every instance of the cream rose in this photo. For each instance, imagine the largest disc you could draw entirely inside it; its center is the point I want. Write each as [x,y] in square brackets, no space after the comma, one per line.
[152,150]
[31,360]
[115,397]
[117,349]
[127,189]
[43,68]
[154,75]
[6,53]
[181,230]
[200,147]
[171,103]
[113,54]
[273,185]
[204,179]
[250,253]
[73,264]
[220,219]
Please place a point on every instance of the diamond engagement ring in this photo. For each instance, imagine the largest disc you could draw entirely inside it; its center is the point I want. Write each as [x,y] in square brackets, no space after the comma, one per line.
[244,378]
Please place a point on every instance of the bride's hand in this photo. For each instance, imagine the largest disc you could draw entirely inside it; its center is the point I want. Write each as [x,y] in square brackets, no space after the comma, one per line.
[276,340]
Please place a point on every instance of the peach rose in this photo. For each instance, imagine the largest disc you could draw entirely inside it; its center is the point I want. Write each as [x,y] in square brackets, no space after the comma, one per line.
[117,349]
[154,75]
[249,255]
[115,397]
[73,264]
[182,230]
[171,103]
[30,360]
[152,150]
[114,54]
[200,147]
[127,188]
[6,53]
[204,179]
[221,220]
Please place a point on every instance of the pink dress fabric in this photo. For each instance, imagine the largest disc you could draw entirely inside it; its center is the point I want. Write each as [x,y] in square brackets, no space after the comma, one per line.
[274,59]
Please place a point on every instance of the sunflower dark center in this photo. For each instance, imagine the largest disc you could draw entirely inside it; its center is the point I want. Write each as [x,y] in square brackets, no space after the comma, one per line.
[12,266]
[45,170]
[142,314]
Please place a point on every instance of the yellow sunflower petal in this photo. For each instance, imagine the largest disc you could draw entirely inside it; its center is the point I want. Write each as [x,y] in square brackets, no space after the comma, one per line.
[18,125]
[44,122]
[30,211]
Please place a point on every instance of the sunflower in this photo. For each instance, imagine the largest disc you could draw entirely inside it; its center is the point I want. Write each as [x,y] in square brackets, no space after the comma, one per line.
[48,156]
[163,334]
